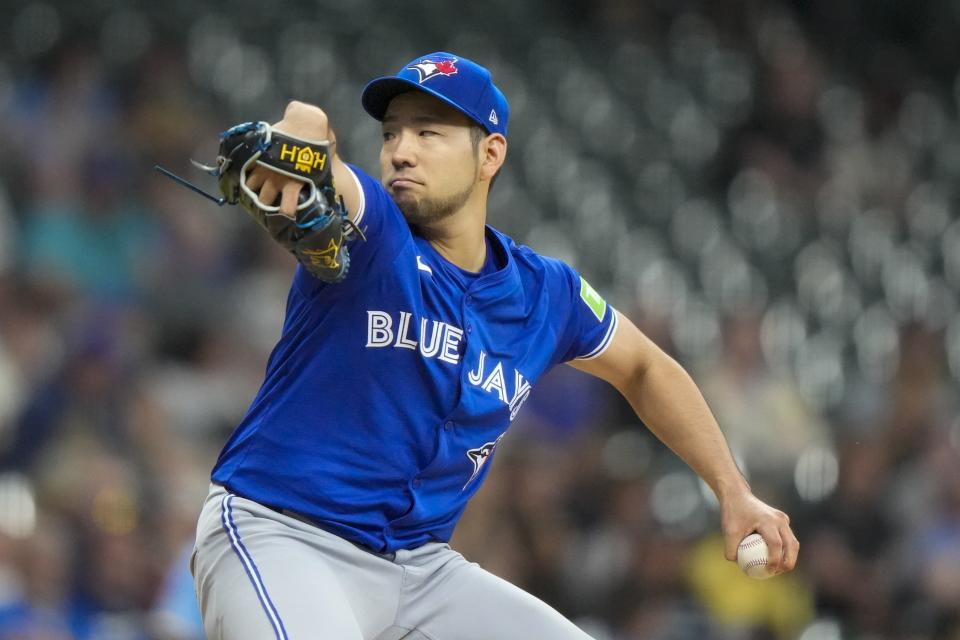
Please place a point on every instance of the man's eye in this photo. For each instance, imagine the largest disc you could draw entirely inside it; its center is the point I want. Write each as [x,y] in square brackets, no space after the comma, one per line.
[428,133]
[387,136]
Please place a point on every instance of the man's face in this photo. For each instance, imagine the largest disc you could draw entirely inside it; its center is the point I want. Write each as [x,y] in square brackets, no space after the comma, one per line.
[428,163]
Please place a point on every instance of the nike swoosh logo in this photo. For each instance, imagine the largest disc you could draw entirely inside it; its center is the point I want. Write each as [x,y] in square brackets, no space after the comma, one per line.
[423,267]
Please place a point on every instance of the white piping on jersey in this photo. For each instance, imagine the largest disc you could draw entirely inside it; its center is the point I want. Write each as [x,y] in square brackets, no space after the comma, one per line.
[423,267]
[607,339]
[362,205]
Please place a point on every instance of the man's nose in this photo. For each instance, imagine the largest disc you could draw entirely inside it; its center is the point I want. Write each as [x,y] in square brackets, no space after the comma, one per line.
[404,152]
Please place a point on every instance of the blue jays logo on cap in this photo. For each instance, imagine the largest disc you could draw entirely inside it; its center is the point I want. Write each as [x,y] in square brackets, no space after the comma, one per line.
[430,69]
[457,81]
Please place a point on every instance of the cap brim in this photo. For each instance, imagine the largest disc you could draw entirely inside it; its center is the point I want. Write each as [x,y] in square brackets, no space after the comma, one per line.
[379,92]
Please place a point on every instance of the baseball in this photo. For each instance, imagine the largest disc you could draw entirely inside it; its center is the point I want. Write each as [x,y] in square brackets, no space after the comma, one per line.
[752,557]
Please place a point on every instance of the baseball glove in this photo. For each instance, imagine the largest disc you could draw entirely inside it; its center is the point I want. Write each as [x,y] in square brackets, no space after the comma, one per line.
[318,232]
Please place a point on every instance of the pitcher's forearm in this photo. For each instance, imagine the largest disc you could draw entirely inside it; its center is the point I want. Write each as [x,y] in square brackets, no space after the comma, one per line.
[670,404]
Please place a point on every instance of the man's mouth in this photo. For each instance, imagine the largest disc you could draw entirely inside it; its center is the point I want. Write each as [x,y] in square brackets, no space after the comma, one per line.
[402,183]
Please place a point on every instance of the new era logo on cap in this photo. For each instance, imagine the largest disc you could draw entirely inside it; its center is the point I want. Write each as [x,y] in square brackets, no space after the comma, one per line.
[461,83]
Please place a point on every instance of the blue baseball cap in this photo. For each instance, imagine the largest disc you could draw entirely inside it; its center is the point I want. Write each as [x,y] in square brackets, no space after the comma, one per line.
[461,83]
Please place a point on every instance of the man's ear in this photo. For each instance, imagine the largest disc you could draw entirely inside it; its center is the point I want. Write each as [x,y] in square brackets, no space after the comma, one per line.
[493,153]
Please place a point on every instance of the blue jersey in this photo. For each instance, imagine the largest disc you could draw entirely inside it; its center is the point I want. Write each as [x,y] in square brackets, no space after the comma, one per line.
[388,393]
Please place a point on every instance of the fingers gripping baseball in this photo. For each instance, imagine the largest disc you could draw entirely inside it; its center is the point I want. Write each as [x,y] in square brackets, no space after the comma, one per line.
[771,535]
[745,515]
[791,549]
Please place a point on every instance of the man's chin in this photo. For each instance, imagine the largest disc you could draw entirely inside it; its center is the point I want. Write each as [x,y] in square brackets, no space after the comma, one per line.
[408,205]
[421,211]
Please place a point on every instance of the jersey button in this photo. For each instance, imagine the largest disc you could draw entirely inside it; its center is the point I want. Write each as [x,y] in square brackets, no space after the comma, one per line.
[469,299]
[416,483]
[448,425]
[469,328]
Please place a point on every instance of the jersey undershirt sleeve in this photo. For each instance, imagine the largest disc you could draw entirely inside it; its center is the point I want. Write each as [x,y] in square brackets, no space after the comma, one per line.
[586,323]
[386,232]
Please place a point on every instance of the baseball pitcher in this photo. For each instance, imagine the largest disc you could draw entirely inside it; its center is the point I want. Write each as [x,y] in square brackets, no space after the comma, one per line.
[414,333]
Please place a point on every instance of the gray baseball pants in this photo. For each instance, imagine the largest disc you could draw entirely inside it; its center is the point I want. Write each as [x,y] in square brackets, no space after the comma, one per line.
[261,574]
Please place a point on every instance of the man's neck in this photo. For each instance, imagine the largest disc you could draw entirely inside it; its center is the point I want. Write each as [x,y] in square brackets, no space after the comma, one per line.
[460,238]
[463,245]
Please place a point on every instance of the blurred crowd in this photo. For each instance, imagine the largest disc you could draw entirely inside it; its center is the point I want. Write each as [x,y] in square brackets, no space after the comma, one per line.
[769,189]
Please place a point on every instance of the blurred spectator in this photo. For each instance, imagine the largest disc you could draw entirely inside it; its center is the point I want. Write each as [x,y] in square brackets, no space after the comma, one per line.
[97,242]
[848,540]
[767,423]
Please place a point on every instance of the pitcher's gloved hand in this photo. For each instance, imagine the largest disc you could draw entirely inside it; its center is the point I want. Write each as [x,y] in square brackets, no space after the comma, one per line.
[319,228]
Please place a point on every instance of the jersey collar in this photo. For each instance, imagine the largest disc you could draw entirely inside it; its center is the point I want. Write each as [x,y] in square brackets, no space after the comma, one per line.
[504,279]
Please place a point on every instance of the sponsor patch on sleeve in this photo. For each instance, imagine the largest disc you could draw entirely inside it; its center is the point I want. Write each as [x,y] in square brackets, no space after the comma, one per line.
[590,296]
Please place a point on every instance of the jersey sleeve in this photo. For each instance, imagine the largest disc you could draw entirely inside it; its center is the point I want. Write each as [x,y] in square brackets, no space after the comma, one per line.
[386,232]
[587,323]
